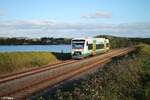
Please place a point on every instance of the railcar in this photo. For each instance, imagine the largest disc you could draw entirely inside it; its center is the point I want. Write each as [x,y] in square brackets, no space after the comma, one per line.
[84,47]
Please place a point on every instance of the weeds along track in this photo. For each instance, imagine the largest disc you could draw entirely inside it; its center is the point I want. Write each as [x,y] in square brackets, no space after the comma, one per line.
[24,86]
[16,73]
[33,71]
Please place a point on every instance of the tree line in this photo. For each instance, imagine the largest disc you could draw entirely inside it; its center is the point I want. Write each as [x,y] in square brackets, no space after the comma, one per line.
[115,42]
[34,41]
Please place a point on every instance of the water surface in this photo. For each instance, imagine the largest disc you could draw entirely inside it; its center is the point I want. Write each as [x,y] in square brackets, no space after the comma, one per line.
[28,48]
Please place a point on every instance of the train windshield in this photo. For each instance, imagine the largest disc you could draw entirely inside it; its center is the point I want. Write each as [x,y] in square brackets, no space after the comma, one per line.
[78,44]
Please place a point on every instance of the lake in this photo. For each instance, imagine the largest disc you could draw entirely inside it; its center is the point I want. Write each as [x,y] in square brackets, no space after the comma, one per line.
[27,48]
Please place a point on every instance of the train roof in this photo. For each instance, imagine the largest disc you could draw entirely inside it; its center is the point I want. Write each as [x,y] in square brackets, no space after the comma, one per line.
[88,38]
[81,38]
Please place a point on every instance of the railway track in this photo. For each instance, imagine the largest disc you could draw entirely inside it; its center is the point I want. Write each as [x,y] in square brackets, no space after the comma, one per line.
[33,71]
[24,84]
[15,73]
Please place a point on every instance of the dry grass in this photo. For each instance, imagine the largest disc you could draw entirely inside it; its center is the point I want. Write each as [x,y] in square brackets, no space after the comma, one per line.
[10,62]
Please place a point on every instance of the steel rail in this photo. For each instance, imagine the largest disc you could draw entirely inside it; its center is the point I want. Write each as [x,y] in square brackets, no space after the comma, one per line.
[34,71]
[28,70]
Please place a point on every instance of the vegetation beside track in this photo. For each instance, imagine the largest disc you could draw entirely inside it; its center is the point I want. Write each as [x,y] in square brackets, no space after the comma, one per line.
[125,78]
[16,61]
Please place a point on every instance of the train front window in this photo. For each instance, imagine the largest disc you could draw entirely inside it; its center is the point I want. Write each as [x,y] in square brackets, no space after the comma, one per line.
[77,45]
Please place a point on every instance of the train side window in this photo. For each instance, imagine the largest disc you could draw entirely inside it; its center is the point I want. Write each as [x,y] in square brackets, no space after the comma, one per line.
[90,46]
[99,46]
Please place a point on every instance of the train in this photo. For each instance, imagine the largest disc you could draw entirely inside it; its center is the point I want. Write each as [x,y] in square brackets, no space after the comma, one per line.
[85,47]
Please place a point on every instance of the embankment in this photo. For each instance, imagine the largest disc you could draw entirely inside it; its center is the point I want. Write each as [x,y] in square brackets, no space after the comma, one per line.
[17,61]
[125,78]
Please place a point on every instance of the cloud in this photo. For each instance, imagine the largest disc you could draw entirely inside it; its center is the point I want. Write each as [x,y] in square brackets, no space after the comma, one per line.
[49,25]
[50,28]
[96,15]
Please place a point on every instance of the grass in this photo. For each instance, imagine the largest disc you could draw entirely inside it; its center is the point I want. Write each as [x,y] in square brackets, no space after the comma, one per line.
[15,61]
[126,78]
[145,70]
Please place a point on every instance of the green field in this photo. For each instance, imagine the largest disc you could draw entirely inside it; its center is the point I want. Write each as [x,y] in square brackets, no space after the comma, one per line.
[16,61]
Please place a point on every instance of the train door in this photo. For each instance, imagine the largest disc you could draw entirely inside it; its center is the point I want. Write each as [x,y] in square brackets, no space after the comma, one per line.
[94,48]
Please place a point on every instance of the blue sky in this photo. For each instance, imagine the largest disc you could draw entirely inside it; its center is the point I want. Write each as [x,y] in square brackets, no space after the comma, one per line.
[74,18]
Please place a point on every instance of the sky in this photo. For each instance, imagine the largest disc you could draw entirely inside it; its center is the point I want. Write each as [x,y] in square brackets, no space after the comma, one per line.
[74,18]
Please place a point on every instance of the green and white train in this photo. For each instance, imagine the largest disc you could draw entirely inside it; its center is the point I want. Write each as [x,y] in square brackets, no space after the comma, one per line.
[83,47]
